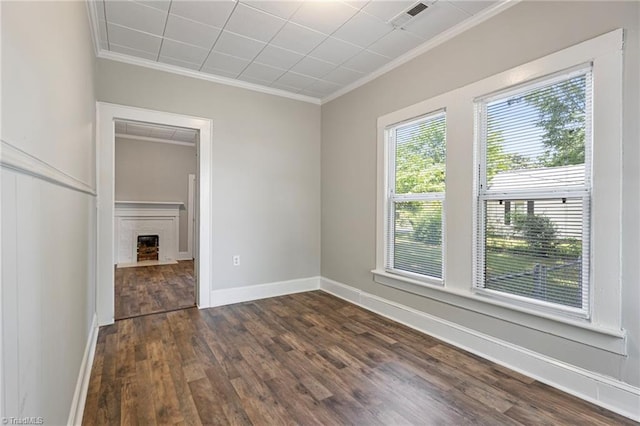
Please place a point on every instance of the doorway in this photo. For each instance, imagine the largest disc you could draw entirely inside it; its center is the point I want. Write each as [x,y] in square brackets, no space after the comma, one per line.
[155,190]
[107,250]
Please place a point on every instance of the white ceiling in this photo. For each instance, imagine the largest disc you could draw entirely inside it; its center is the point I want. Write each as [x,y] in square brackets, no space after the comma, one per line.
[156,133]
[312,48]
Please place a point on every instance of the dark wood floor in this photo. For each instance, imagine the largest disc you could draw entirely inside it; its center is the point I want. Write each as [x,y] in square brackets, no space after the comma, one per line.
[151,289]
[307,359]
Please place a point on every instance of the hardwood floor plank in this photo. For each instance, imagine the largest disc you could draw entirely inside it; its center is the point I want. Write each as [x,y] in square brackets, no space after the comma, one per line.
[128,406]
[307,359]
[257,399]
[209,410]
[152,289]
[145,402]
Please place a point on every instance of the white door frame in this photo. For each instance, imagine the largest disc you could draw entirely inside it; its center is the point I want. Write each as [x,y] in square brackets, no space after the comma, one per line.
[105,163]
[190,216]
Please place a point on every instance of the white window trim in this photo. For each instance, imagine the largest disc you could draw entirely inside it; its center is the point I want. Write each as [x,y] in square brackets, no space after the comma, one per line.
[485,194]
[392,197]
[603,329]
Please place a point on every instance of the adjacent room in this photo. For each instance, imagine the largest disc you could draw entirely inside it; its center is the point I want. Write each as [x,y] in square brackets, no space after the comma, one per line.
[320,212]
[155,193]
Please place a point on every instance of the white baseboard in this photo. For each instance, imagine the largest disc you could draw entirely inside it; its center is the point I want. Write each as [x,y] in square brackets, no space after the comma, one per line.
[184,255]
[598,389]
[82,385]
[229,296]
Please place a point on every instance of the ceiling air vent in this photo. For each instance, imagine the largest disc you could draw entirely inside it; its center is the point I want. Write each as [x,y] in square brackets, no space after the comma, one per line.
[417,9]
[401,20]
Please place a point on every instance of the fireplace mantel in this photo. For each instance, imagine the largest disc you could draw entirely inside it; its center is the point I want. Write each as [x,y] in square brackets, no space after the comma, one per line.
[149,204]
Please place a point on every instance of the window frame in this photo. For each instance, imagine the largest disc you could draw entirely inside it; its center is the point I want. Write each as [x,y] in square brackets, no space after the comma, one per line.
[603,329]
[483,194]
[392,198]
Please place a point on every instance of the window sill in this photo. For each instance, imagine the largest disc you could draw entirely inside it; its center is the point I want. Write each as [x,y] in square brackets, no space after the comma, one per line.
[578,331]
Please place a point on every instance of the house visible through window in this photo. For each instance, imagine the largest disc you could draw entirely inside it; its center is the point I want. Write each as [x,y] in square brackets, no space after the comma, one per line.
[534,192]
[415,197]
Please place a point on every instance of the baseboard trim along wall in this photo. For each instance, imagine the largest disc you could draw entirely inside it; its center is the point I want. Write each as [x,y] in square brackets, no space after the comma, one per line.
[601,390]
[82,385]
[229,296]
[184,255]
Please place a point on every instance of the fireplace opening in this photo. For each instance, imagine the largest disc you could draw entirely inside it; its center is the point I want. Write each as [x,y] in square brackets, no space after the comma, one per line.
[148,247]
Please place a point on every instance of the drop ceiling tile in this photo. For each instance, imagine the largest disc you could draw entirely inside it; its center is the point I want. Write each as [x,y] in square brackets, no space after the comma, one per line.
[262,72]
[136,16]
[254,23]
[387,10]
[362,30]
[313,67]
[343,76]
[311,93]
[214,13]
[296,80]
[358,4]
[254,80]
[183,52]
[323,16]
[229,64]
[162,132]
[282,9]
[366,62]
[395,43]
[133,52]
[278,57]
[297,38]
[133,39]
[179,63]
[158,4]
[219,73]
[138,129]
[282,86]
[192,32]
[335,51]
[323,87]
[472,7]
[185,135]
[438,17]
[237,45]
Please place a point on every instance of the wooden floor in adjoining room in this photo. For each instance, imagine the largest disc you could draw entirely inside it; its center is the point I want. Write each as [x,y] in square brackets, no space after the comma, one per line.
[151,289]
[308,359]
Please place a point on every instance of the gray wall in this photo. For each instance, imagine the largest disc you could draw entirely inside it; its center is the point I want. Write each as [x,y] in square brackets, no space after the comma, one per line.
[48,231]
[526,31]
[152,171]
[266,170]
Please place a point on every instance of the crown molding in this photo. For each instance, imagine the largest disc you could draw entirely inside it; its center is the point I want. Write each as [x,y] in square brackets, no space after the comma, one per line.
[103,54]
[452,32]
[94,28]
[476,19]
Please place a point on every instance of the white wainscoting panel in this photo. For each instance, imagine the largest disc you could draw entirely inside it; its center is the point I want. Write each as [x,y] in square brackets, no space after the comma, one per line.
[82,385]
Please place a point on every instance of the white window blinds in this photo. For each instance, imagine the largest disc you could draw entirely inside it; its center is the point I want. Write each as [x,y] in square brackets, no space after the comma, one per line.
[415,199]
[534,192]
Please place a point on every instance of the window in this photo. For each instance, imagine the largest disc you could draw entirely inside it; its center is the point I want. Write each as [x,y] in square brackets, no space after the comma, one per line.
[530,231]
[415,198]
[535,155]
